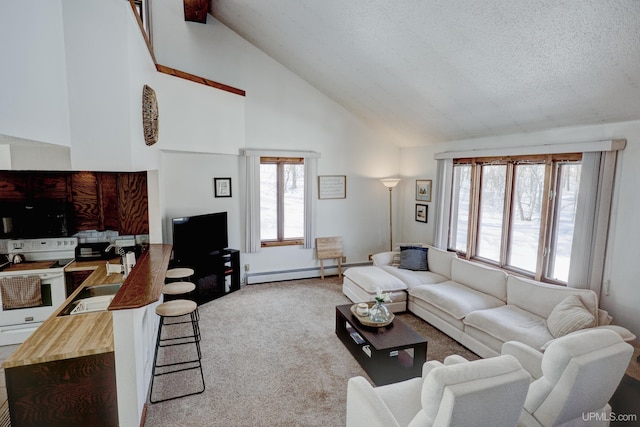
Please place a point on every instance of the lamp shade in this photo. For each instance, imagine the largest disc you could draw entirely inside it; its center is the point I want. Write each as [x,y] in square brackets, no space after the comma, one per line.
[390,182]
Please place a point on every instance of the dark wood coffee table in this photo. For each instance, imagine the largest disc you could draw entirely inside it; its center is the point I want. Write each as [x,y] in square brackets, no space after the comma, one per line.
[389,354]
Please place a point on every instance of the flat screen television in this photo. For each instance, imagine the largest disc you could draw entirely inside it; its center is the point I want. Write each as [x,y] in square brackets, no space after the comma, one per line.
[197,236]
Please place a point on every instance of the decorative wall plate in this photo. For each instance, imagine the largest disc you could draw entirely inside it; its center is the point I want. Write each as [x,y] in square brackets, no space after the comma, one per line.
[149,115]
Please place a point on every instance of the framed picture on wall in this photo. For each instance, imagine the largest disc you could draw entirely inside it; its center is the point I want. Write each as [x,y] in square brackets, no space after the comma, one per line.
[423,190]
[222,187]
[422,211]
[332,187]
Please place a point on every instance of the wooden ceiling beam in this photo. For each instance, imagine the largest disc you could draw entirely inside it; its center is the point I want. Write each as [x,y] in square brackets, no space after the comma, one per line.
[196,10]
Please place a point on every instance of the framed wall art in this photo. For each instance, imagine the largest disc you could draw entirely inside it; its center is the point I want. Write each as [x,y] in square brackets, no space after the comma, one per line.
[423,190]
[222,187]
[422,212]
[332,187]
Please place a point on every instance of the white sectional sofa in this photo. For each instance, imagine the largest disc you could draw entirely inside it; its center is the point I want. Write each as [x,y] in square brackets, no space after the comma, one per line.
[479,306]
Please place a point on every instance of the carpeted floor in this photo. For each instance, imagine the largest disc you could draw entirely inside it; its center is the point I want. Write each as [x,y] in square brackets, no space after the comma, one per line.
[272,358]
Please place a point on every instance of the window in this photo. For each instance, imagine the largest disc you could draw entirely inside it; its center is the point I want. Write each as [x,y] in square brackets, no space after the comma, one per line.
[282,201]
[517,213]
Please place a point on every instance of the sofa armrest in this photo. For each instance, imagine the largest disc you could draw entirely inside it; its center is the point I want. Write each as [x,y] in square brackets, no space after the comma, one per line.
[383,258]
[529,358]
[454,359]
[365,407]
[428,366]
[624,333]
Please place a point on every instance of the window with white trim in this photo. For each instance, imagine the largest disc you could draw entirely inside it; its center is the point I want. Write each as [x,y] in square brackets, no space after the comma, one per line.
[282,189]
[517,213]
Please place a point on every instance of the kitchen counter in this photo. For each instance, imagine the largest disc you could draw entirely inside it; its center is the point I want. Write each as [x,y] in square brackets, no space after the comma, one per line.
[66,337]
[89,265]
[92,333]
[79,367]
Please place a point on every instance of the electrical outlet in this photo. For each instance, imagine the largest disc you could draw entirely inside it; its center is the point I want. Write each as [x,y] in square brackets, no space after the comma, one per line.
[370,257]
[344,259]
[247,267]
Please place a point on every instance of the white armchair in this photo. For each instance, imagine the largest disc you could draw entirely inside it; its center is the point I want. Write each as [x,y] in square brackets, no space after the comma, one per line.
[458,393]
[574,379]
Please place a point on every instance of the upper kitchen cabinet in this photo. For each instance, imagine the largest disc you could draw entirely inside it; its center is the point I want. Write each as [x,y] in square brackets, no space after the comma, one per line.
[19,186]
[48,186]
[110,201]
[133,203]
[81,200]
[13,186]
[87,209]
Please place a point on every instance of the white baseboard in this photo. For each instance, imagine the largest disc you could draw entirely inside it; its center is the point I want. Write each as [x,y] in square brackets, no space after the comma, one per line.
[293,274]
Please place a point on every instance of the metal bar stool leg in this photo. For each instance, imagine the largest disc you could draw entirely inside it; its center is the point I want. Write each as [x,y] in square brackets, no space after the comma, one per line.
[173,309]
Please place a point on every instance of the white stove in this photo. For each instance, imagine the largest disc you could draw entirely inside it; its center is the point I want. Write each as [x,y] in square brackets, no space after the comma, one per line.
[45,258]
[45,249]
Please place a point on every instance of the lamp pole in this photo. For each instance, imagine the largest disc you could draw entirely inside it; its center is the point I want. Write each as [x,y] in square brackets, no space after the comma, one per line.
[390,183]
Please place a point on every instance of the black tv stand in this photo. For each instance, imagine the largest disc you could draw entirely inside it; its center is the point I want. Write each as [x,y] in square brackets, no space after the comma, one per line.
[216,274]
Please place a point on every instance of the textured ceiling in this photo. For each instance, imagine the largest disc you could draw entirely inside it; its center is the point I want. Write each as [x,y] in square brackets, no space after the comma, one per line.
[425,71]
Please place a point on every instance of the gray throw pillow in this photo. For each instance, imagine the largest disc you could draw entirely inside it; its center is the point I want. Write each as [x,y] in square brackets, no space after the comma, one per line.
[413,258]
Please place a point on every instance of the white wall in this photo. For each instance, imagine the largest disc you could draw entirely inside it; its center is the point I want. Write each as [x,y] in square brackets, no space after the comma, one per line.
[96,36]
[33,75]
[622,269]
[281,112]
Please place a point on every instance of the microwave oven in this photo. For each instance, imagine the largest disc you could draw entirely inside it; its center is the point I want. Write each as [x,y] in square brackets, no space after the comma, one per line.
[92,251]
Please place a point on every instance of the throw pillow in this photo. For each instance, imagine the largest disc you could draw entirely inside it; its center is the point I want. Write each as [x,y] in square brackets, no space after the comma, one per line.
[568,316]
[413,258]
[396,251]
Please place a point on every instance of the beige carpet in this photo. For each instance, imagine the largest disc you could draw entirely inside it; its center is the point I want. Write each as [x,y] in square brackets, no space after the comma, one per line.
[272,358]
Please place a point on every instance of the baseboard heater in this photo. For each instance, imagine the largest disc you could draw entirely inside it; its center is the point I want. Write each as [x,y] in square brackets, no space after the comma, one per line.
[296,273]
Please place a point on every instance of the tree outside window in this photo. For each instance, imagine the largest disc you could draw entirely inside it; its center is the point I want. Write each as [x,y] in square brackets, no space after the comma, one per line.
[516,213]
[281,201]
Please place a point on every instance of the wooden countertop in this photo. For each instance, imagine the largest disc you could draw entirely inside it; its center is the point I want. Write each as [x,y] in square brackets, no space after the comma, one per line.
[92,333]
[144,284]
[89,265]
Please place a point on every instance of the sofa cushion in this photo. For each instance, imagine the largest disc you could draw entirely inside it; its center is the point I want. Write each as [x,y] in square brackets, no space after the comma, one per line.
[414,278]
[455,299]
[372,278]
[413,258]
[568,316]
[479,277]
[440,261]
[511,323]
[541,298]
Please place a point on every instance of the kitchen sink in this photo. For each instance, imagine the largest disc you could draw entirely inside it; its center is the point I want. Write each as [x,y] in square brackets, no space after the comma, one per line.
[91,298]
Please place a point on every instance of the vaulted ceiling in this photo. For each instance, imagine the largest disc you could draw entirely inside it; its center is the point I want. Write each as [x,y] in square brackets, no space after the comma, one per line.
[426,71]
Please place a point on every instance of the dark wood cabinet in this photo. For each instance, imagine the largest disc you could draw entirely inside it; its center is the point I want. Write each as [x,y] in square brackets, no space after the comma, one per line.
[91,200]
[13,187]
[133,203]
[48,186]
[79,391]
[84,196]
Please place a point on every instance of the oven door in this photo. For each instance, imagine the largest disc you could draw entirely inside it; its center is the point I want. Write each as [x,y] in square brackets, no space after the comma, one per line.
[18,323]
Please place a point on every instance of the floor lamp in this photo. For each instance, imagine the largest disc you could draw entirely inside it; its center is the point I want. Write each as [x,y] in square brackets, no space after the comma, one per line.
[390,183]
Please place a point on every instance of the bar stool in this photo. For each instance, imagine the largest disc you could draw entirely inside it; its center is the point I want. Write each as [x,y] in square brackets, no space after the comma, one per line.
[177,290]
[179,273]
[174,289]
[173,309]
